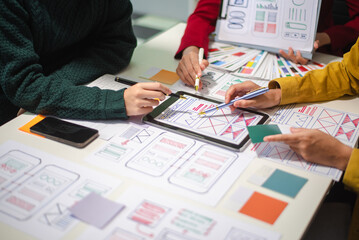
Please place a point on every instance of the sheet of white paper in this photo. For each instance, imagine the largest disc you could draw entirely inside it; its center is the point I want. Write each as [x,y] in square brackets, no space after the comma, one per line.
[341,125]
[171,162]
[39,188]
[152,215]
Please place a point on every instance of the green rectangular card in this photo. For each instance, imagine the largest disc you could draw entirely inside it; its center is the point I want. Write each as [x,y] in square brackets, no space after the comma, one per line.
[258,132]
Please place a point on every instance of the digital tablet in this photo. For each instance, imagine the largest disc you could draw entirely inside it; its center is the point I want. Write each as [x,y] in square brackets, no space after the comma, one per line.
[221,127]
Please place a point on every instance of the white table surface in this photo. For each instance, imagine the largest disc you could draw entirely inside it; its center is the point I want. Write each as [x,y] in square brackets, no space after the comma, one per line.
[159,52]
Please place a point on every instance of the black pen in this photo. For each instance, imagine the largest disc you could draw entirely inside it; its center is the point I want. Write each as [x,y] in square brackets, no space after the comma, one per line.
[131,83]
[125,81]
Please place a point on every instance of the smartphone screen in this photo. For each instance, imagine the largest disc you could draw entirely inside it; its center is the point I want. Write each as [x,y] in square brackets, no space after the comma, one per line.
[65,132]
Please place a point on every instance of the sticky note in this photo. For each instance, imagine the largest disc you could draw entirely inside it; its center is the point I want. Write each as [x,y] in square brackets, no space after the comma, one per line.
[263,207]
[258,132]
[27,126]
[161,75]
[285,183]
[96,210]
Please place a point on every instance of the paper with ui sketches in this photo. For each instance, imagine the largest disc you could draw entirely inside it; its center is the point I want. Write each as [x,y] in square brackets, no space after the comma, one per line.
[269,25]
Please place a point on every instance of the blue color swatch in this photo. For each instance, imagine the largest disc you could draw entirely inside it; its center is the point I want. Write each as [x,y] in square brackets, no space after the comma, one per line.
[285,183]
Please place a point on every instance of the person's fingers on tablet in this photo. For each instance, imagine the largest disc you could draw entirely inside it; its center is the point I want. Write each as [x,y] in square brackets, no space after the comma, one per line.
[137,97]
[148,103]
[150,90]
[151,94]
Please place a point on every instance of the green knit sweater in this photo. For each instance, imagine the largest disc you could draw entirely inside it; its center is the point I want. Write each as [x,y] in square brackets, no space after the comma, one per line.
[50,48]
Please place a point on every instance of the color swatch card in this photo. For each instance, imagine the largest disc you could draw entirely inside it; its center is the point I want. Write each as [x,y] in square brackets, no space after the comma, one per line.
[258,132]
[254,63]
[96,210]
[160,75]
[278,181]
[256,205]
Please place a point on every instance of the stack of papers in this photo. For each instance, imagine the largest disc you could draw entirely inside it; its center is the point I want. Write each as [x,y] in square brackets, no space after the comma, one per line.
[255,64]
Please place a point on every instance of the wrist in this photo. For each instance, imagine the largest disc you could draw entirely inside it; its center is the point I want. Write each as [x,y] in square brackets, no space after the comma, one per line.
[277,95]
[189,49]
[344,157]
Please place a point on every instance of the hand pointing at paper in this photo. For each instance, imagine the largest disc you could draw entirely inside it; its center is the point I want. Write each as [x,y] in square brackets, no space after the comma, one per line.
[315,146]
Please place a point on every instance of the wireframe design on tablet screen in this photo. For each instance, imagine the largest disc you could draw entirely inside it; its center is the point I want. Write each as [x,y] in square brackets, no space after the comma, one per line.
[221,126]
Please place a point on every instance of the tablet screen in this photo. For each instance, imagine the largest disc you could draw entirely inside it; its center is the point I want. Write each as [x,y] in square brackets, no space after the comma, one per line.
[223,126]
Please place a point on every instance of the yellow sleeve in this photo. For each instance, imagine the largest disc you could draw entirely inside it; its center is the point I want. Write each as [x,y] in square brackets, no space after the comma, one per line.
[335,80]
[351,176]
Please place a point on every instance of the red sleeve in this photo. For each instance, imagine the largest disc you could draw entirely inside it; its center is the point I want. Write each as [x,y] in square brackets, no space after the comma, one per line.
[342,35]
[199,25]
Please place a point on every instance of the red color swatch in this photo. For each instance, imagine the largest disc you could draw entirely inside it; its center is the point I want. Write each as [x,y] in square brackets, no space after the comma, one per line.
[263,207]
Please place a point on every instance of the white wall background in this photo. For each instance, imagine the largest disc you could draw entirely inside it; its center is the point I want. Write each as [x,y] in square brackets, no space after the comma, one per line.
[175,9]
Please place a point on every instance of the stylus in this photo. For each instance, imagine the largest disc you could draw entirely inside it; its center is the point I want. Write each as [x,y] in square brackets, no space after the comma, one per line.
[249,95]
[200,58]
[131,83]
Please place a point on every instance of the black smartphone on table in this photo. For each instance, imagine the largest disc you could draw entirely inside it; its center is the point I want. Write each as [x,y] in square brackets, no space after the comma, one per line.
[65,132]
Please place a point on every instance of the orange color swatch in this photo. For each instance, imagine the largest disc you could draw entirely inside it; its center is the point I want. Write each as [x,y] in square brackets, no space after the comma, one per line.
[165,76]
[263,207]
[27,126]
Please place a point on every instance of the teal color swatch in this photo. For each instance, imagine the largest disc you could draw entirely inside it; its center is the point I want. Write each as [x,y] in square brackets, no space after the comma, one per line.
[285,183]
[258,132]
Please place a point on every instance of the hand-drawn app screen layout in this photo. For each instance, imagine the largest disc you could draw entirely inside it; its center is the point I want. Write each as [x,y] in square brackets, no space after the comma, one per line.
[222,126]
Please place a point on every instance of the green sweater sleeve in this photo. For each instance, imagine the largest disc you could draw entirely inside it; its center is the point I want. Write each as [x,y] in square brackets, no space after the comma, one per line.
[22,77]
